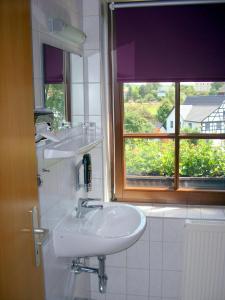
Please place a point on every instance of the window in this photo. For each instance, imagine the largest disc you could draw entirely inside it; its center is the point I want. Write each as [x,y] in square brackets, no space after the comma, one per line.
[218,125]
[207,126]
[153,162]
[164,150]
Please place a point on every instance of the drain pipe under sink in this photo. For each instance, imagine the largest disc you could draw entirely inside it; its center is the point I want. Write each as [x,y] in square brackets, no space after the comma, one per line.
[77,267]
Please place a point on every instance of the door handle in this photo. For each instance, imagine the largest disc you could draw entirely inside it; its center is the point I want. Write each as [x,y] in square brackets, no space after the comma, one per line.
[40,235]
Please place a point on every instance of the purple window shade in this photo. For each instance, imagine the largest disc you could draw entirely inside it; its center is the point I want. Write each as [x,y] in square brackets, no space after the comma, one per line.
[53,64]
[170,43]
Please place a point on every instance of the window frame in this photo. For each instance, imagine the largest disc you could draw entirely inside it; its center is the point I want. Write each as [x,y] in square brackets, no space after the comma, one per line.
[160,195]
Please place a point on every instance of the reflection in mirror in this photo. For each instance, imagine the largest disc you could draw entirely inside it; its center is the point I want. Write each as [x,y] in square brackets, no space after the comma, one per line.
[57,84]
[63,86]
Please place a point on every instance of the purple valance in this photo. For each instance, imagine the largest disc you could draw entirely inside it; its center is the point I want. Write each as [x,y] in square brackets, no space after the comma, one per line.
[170,43]
[53,64]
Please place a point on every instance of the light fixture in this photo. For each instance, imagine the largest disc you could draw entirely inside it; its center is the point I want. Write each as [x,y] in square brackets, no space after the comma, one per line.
[65,31]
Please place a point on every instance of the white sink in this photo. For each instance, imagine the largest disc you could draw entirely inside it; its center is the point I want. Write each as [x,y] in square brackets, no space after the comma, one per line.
[100,232]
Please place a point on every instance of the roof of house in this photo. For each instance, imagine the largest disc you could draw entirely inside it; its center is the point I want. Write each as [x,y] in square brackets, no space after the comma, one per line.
[205,100]
[201,107]
[199,113]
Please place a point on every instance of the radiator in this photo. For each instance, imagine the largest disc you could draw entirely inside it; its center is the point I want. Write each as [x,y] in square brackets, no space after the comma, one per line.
[203,275]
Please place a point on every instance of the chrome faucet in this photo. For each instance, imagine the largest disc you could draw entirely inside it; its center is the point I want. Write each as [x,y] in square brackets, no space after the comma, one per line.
[83,207]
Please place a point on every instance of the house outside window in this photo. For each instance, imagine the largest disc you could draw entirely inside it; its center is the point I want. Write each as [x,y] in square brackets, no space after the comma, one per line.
[218,125]
[207,126]
[171,124]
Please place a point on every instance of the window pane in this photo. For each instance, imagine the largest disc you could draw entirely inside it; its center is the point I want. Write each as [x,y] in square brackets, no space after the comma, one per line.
[147,107]
[202,107]
[149,162]
[55,100]
[202,164]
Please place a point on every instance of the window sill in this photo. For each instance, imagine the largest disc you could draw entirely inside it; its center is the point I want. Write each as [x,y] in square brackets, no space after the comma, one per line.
[183,212]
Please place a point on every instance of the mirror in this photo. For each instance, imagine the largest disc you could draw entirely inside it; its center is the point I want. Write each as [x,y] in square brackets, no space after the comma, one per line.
[63,76]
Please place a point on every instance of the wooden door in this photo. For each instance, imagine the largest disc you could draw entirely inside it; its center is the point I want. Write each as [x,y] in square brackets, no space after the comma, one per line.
[19,278]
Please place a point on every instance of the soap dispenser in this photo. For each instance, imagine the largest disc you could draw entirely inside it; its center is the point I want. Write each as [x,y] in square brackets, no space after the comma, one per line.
[87,172]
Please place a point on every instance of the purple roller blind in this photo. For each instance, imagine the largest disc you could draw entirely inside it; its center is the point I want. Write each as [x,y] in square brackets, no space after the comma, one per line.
[170,43]
[53,64]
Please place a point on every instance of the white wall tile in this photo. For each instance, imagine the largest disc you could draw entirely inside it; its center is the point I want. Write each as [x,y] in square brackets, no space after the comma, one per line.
[137,282]
[94,283]
[115,296]
[76,6]
[97,296]
[138,255]
[172,256]
[146,235]
[91,28]
[156,255]
[96,158]
[173,230]
[116,260]
[130,297]
[76,68]
[38,92]
[156,229]
[37,70]
[77,95]
[155,287]
[97,189]
[171,284]
[116,280]
[91,7]
[34,11]
[94,99]
[97,120]
[92,66]
[76,120]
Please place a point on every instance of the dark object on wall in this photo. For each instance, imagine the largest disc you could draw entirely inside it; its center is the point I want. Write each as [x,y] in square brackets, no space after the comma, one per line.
[87,172]
[53,64]
[170,43]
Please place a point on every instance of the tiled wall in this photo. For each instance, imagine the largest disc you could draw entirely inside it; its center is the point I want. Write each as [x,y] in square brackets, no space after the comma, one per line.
[151,269]
[92,87]
[57,194]
[148,270]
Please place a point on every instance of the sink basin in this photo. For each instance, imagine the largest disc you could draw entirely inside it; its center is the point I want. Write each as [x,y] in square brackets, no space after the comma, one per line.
[100,232]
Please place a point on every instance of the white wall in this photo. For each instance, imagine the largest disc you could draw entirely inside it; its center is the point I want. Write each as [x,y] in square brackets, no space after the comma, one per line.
[150,269]
[93,81]
[57,194]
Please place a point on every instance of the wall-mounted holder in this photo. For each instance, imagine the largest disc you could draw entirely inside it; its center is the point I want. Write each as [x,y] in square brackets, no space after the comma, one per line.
[86,162]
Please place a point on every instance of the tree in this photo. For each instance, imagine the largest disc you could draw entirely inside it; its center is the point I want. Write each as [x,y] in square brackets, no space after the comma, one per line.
[163,112]
[134,122]
[55,100]
[215,87]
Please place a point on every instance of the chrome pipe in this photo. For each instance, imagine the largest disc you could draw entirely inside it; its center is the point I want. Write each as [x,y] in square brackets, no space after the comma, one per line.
[114,6]
[102,278]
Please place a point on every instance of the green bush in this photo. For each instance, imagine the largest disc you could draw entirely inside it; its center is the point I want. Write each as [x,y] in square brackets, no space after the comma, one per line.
[198,158]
